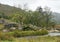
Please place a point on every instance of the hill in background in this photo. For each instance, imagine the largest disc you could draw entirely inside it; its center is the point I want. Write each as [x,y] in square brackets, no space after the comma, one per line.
[8,10]
[57,17]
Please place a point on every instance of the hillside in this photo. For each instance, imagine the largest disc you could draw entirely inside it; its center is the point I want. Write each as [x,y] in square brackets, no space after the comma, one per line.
[57,17]
[8,10]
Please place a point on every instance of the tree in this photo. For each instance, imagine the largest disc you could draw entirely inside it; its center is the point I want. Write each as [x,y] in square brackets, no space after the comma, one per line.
[38,18]
[39,9]
[48,16]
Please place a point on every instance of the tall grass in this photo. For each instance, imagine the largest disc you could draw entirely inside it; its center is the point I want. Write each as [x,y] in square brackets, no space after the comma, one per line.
[37,39]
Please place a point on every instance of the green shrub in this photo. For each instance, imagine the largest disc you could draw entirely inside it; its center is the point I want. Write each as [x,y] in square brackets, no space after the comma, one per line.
[28,33]
[17,33]
[44,31]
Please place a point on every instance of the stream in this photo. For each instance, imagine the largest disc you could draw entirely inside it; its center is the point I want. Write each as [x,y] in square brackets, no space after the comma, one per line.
[54,34]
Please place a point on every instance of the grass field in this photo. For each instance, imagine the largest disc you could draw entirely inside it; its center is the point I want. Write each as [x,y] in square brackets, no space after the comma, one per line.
[36,39]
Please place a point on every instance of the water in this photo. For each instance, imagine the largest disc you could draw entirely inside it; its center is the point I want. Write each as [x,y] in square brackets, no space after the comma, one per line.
[54,34]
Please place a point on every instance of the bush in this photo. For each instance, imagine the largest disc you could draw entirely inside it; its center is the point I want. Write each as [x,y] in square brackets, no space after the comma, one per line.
[44,31]
[28,33]
[17,33]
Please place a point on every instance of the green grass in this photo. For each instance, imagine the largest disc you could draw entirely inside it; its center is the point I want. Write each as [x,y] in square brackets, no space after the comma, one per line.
[36,39]
[27,33]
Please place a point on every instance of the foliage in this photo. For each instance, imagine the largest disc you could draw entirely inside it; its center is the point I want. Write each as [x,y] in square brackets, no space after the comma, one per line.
[27,33]
[44,31]
[38,18]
